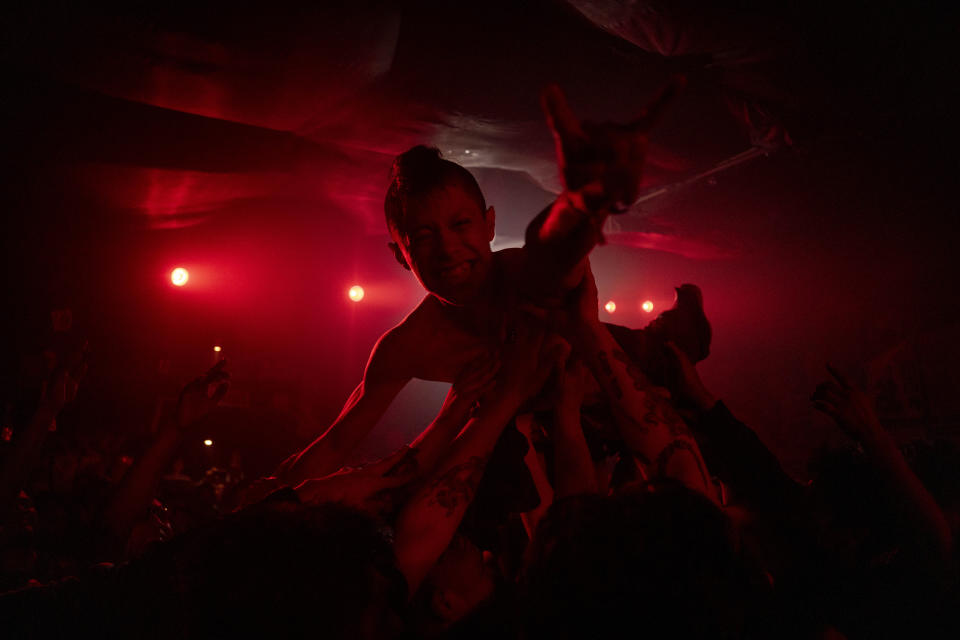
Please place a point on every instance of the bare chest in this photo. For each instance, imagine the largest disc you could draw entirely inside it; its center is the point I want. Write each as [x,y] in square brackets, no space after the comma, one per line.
[439,350]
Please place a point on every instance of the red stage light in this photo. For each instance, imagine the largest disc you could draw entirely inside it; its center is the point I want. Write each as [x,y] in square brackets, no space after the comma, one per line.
[208,443]
[179,276]
[355,293]
[647,306]
[610,307]
[217,349]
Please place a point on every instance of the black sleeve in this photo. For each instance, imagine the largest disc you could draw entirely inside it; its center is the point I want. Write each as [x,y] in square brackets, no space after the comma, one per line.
[735,455]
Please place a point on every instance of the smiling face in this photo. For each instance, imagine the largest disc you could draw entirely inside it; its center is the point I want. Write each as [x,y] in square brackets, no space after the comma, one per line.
[445,240]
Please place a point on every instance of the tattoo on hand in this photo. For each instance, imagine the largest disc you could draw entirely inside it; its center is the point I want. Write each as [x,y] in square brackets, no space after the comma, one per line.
[457,485]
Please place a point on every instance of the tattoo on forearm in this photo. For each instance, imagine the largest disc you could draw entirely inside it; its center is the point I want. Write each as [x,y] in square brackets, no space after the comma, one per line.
[407,465]
[457,485]
[665,456]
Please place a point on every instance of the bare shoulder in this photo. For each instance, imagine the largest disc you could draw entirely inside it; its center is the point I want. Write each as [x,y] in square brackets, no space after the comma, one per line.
[393,354]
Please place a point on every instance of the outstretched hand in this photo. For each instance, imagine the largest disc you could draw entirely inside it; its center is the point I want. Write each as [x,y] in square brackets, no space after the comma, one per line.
[371,488]
[604,161]
[848,406]
[199,397]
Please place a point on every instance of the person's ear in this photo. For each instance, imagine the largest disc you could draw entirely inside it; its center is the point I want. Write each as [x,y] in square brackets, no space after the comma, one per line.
[490,219]
[398,254]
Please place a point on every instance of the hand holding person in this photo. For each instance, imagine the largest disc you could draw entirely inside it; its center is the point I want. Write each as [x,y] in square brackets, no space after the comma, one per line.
[531,354]
[369,488]
[474,381]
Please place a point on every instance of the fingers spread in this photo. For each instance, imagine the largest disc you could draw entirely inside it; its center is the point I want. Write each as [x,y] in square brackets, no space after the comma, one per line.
[559,116]
[652,112]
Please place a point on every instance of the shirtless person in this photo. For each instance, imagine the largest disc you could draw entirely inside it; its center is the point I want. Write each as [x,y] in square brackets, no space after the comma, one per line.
[441,229]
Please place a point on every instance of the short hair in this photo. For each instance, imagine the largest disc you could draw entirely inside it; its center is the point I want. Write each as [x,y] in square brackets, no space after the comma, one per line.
[419,171]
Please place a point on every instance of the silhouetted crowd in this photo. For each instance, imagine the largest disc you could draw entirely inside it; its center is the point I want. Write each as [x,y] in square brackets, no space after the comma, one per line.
[579,481]
[570,532]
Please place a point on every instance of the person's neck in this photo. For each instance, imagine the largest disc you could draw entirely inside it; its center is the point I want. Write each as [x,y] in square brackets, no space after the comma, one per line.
[481,315]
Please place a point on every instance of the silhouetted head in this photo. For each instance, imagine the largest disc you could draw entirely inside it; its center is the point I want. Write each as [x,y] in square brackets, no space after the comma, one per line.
[274,570]
[660,562]
[689,294]
[440,225]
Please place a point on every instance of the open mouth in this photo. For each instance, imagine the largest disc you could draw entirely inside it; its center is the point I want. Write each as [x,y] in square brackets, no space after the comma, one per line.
[457,272]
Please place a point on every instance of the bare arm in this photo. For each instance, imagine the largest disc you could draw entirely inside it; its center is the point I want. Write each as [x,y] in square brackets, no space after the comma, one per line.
[366,405]
[130,501]
[853,412]
[428,448]
[651,428]
[525,425]
[428,521]
[574,471]
[601,166]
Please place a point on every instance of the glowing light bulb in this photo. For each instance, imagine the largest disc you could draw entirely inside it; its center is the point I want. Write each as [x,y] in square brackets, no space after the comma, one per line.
[647,306]
[208,443]
[217,349]
[179,276]
[355,293]
[610,307]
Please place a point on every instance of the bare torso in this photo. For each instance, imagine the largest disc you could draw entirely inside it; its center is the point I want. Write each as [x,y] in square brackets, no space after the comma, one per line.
[436,341]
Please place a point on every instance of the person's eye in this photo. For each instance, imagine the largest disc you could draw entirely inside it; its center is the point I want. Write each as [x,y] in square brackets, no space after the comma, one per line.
[462,222]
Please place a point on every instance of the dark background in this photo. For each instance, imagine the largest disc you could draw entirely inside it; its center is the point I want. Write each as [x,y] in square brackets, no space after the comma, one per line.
[252,146]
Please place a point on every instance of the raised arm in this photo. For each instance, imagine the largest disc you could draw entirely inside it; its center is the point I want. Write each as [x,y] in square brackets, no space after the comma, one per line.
[129,503]
[428,521]
[574,471]
[382,380]
[853,412]
[601,165]
[648,423]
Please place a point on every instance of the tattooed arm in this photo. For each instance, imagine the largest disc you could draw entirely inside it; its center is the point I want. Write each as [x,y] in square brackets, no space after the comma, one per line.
[476,379]
[427,522]
[655,433]
[574,471]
